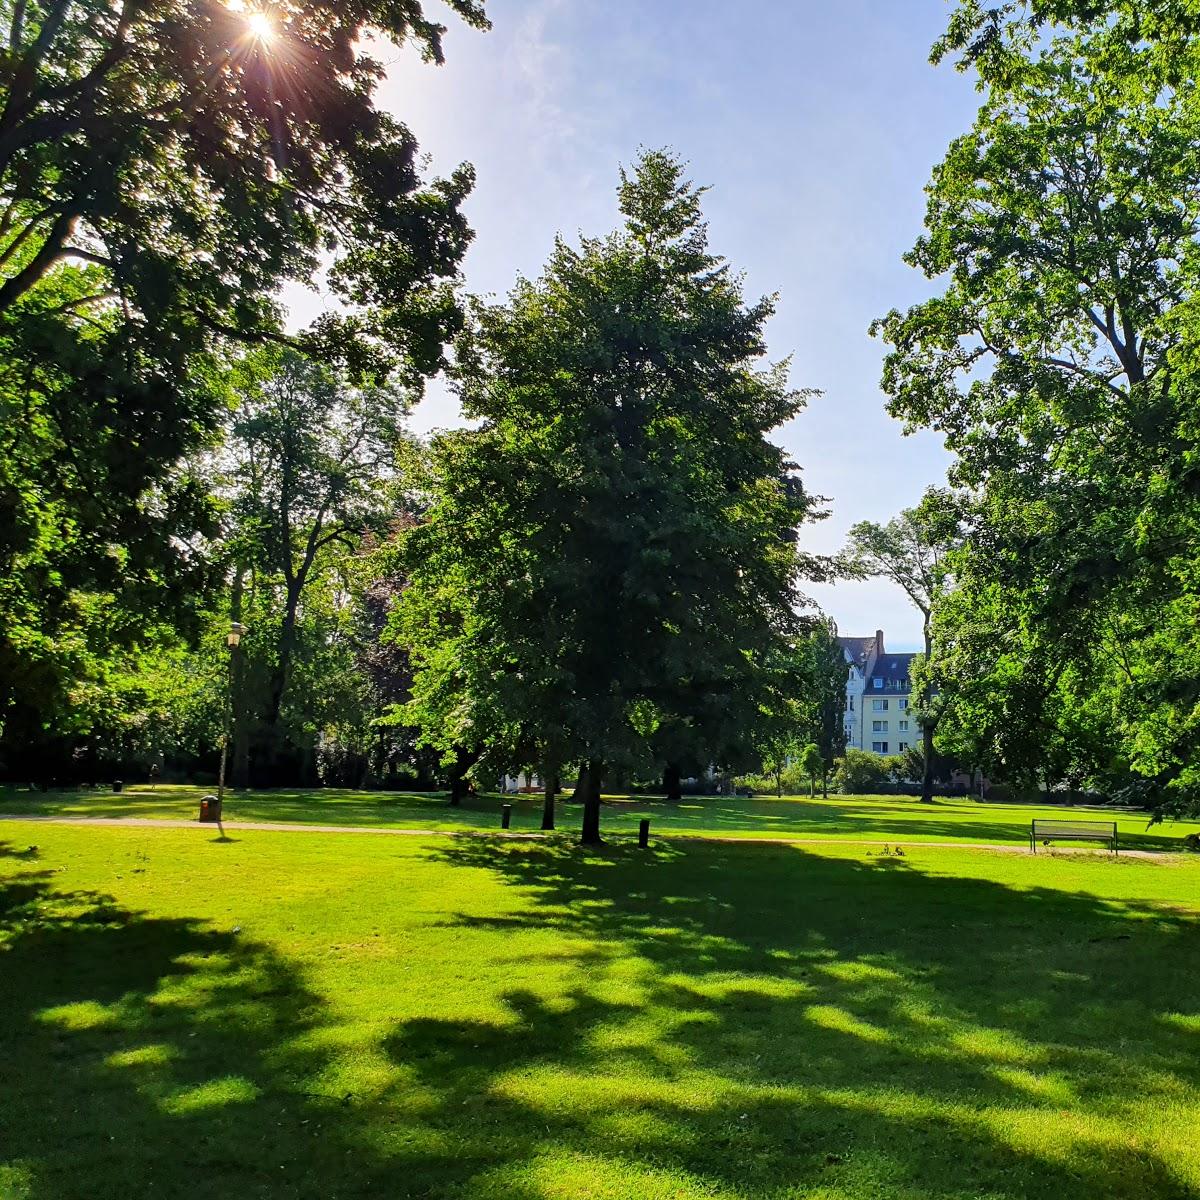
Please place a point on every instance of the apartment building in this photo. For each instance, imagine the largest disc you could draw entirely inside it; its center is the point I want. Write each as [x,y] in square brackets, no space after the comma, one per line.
[878,692]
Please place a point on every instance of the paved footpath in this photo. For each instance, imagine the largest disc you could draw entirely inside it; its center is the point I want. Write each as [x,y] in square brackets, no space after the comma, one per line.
[267,826]
[528,836]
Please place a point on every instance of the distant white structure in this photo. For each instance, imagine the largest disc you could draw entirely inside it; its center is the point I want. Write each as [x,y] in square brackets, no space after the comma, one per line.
[526,782]
[878,691]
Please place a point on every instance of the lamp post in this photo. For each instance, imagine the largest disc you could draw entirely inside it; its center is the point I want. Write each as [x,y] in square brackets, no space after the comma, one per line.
[232,640]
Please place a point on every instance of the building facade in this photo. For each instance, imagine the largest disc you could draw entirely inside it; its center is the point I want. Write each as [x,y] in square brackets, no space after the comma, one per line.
[878,695]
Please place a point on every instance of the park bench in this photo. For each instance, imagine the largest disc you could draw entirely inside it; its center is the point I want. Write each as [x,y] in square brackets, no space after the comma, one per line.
[1072,831]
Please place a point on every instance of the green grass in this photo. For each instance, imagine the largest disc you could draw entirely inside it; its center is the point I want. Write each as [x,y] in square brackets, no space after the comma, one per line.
[863,817]
[319,1016]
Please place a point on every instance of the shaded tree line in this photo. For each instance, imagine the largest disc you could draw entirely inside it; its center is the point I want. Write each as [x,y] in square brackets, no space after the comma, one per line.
[1058,360]
[601,579]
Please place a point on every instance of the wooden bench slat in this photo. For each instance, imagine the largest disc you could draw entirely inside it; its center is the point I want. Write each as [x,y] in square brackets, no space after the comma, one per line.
[1060,830]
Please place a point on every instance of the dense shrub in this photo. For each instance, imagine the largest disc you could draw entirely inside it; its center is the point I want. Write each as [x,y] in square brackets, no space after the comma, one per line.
[858,771]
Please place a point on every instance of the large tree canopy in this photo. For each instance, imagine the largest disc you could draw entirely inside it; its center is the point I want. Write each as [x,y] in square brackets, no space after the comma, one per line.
[1060,363]
[202,154]
[165,166]
[613,548]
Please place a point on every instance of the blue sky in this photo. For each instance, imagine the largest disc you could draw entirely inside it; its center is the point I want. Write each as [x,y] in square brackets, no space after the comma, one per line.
[816,125]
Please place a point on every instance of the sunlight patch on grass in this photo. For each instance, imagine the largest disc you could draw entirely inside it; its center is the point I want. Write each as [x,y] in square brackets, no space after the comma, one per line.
[215,1093]
[1050,1088]
[563,1175]
[585,1094]
[83,1014]
[17,1181]
[739,990]
[828,1016]
[861,971]
[1137,1160]
[1186,1021]
[157,1054]
[645,1036]
[995,1044]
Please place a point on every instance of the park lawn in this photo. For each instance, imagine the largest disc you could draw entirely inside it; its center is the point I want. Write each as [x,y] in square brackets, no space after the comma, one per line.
[872,818]
[310,1015]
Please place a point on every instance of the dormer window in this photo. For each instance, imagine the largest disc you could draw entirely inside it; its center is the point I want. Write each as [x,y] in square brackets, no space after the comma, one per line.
[878,682]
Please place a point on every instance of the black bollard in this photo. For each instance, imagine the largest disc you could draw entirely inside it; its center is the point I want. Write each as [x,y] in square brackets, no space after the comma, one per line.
[505,815]
[644,832]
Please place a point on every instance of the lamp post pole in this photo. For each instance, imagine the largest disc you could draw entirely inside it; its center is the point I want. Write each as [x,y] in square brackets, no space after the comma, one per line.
[232,640]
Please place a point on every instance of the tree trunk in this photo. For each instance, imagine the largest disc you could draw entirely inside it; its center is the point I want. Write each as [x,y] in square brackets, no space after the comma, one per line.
[812,786]
[927,774]
[279,680]
[825,783]
[590,834]
[671,782]
[778,784]
[927,724]
[237,697]
[550,786]
[464,760]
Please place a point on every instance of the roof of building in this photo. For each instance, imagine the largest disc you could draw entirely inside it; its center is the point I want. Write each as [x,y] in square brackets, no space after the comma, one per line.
[894,670]
[857,649]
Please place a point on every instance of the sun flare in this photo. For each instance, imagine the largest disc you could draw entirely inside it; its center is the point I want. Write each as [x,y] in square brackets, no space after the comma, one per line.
[260,26]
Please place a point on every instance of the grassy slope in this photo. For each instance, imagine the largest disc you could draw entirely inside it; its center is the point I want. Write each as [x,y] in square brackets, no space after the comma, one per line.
[869,817]
[314,1016]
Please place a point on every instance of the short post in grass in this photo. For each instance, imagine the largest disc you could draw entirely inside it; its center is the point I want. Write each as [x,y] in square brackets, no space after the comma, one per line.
[644,832]
[505,815]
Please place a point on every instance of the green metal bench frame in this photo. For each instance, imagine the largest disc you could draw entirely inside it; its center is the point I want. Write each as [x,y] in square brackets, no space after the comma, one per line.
[1046,831]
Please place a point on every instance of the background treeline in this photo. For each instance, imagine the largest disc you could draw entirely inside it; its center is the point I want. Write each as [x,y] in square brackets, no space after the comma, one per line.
[598,580]
[602,576]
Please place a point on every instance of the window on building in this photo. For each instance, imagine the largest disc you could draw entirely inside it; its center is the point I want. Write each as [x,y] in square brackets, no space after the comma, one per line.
[879,706]
[903,727]
[850,703]
[903,747]
[879,727]
[879,747]
[878,681]
[903,703]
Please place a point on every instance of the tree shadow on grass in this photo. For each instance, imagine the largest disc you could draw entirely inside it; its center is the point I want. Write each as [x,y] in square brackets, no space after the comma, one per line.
[737,1021]
[148,1056]
[795,1021]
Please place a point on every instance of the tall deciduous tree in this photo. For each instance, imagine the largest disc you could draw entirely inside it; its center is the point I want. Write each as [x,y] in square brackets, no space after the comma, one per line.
[165,166]
[310,458]
[1060,360]
[614,546]
[201,153]
[912,550]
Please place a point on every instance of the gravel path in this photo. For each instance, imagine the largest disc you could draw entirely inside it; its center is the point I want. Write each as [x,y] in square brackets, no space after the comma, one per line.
[517,835]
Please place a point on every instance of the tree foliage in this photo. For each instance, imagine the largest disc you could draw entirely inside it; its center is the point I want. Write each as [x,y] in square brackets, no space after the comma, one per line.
[1059,362]
[610,554]
[308,463]
[164,169]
